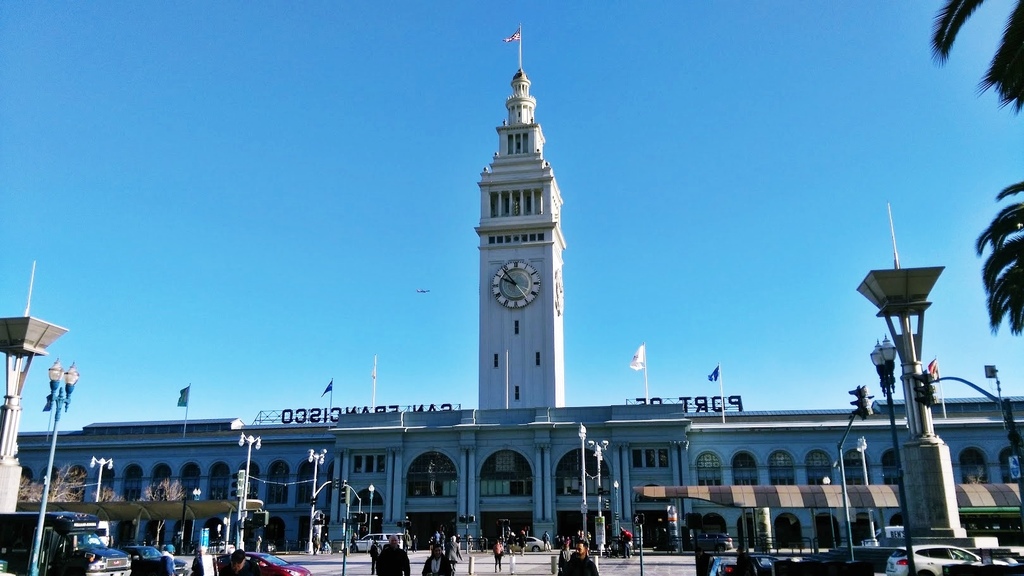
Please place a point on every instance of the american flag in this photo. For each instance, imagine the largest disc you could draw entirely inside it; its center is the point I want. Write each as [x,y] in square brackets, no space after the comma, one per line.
[517,36]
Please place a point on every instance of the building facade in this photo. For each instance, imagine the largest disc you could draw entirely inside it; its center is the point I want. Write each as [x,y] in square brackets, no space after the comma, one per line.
[522,456]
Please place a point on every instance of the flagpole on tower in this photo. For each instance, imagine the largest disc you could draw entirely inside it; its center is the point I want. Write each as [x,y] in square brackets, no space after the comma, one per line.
[520,45]
[640,363]
[721,390]
[373,375]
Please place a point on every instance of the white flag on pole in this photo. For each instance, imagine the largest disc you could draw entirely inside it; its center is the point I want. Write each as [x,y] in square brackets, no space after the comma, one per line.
[640,358]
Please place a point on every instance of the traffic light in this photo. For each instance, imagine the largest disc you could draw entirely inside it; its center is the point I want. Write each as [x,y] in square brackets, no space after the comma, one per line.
[260,518]
[638,519]
[239,488]
[863,402]
[462,518]
[924,390]
[607,503]
[358,517]
[471,518]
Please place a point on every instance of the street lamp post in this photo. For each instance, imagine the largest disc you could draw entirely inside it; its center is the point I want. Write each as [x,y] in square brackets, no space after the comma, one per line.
[61,398]
[615,529]
[862,447]
[317,458]
[184,500]
[884,359]
[250,440]
[827,480]
[583,475]
[370,512]
[109,463]
[599,448]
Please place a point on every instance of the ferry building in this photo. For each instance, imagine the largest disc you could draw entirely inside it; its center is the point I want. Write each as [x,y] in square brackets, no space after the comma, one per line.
[523,455]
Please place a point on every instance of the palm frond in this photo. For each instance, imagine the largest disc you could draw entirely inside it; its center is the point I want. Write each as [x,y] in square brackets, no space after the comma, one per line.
[1006,72]
[948,22]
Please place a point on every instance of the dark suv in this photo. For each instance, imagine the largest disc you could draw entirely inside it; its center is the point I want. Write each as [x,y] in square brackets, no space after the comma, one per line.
[715,541]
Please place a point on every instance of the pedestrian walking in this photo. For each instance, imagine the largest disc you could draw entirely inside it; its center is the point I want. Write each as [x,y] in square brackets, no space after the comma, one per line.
[393,559]
[582,564]
[499,551]
[374,555]
[453,554]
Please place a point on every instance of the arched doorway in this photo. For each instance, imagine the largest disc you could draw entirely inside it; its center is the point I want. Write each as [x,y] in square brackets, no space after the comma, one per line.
[788,532]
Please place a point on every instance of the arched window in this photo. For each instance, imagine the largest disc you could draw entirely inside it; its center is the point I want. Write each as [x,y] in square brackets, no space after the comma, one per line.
[709,470]
[160,484]
[430,475]
[220,481]
[1004,464]
[133,483]
[854,468]
[506,473]
[76,478]
[781,471]
[744,470]
[190,478]
[277,483]
[567,473]
[972,467]
[819,466]
[890,473]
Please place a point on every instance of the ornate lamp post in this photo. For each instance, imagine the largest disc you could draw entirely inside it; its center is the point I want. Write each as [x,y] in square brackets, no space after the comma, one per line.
[583,475]
[60,397]
[184,501]
[862,447]
[883,357]
[370,514]
[109,463]
[599,448]
[317,458]
[250,440]
[615,529]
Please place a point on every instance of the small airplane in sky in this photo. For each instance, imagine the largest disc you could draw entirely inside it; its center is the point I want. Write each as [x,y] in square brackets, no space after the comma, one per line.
[422,291]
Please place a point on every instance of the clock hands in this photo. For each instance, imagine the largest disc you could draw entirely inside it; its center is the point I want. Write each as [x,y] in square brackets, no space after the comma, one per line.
[505,276]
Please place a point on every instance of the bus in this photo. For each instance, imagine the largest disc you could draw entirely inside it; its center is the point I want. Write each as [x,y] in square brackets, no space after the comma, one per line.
[70,545]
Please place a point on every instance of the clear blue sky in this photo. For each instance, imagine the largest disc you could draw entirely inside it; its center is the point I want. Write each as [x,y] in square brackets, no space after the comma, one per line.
[244,197]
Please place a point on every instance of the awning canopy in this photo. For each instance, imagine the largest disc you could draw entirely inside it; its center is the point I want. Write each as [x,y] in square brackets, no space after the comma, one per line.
[156,510]
[827,496]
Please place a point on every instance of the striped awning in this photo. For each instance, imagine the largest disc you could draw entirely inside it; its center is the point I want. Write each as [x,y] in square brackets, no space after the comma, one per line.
[827,496]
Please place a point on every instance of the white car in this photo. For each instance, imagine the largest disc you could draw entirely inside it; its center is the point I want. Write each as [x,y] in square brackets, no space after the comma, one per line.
[930,560]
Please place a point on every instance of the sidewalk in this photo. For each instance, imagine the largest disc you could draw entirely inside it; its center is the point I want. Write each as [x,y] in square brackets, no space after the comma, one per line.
[532,564]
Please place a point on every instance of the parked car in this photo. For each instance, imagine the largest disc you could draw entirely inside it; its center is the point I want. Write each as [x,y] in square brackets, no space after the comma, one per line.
[146,561]
[930,560]
[726,565]
[363,544]
[269,565]
[532,544]
[716,541]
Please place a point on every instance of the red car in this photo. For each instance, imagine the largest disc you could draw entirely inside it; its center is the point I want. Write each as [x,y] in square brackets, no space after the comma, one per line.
[269,565]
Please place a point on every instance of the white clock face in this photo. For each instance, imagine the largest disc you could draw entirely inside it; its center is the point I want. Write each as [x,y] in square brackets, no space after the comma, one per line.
[515,284]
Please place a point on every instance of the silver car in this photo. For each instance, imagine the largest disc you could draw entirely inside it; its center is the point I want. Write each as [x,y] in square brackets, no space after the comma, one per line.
[930,560]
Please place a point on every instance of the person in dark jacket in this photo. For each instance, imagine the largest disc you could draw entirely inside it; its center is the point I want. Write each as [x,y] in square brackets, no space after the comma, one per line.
[744,564]
[564,556]
[374,555]
[581,564]
[437,563]
[393,560]
[702,561]
[239,565]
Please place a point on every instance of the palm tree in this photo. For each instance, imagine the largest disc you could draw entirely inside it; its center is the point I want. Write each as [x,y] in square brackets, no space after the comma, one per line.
[1006,72]
[1003,272]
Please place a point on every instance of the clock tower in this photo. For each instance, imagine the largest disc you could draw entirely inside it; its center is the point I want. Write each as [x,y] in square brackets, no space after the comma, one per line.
[521,244]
